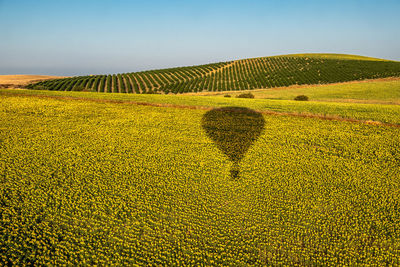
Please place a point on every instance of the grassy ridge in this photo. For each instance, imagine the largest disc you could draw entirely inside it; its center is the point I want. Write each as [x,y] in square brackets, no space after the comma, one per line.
[102,183]
[372,91]
[336,56]
[247,74]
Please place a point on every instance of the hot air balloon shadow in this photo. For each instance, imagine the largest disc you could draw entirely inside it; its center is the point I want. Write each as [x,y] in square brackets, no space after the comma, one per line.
[233,130]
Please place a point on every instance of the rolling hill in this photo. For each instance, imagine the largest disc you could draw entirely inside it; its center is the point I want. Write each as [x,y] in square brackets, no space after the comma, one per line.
[245,74]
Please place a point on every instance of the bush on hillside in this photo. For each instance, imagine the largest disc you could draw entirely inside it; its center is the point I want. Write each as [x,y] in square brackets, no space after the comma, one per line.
[78,88]
[227,95]
[245,95]
[301,98]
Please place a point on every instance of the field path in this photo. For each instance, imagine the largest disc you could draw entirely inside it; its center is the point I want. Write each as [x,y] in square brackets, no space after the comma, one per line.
[112,84]
[131,82]
[125,83]
[98,86]
[145,89]
[119,84]
[138,84]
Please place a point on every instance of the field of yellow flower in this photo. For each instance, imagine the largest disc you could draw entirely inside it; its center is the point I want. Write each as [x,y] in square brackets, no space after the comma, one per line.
[85,182]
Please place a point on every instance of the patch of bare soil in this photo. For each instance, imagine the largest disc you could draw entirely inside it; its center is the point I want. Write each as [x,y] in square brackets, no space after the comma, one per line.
[12,81]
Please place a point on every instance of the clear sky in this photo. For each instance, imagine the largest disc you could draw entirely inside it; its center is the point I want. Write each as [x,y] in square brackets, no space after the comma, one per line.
[71,37]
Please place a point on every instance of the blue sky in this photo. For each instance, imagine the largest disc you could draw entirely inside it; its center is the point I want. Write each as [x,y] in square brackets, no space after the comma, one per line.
[68,37]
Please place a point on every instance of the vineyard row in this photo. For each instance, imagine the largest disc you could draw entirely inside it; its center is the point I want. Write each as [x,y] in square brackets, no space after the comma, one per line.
[246,74]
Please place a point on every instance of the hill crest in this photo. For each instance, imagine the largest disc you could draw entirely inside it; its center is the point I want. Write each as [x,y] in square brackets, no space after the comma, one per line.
[242,74]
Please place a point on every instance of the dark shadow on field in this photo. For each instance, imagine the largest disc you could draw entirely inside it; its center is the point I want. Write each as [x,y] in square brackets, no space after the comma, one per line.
[233,130]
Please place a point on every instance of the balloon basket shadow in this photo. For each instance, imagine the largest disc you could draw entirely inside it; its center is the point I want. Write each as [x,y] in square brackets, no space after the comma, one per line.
[233,130]
[235,173]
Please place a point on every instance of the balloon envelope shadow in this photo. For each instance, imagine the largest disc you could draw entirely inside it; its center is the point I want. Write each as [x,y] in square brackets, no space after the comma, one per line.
[233,130]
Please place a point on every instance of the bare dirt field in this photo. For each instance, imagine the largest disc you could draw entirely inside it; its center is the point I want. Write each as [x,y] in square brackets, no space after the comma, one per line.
[10,81]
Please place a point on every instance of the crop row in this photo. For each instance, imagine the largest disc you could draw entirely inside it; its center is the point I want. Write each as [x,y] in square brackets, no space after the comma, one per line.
[246,74]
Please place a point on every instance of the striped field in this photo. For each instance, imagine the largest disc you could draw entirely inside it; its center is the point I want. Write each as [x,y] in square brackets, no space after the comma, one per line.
[246,74]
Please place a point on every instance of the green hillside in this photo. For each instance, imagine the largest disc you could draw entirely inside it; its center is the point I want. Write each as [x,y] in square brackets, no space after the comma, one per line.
[382,91]
[246,74]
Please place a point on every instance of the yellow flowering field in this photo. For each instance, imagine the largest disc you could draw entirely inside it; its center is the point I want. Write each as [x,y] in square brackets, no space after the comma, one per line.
[96,183]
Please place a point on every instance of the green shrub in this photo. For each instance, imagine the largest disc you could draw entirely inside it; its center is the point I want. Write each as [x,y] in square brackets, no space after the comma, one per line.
[301,98]
[227,95]
[78,88]
[245,95]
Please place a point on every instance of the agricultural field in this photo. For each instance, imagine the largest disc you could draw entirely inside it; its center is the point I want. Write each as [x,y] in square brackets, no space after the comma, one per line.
[378,91]
[245,74]
[15,81]
[101,178]
[375,100]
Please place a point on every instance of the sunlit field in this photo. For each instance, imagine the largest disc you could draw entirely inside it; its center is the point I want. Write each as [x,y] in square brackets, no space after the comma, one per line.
[199,133]
[89,181]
